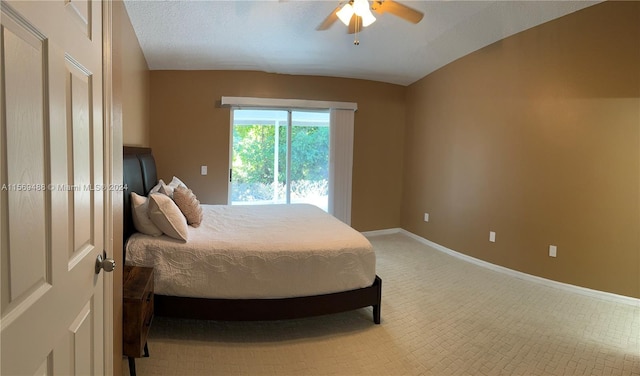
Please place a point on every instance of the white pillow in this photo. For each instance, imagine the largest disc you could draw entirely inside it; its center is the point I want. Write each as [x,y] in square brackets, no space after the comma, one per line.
[165,214]
[156,187]
[168,189]
[141,220]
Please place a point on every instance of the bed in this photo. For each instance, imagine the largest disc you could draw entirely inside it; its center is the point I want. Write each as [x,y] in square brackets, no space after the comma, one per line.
[276,279]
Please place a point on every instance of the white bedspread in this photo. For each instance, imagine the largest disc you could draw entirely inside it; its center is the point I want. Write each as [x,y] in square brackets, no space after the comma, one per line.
[265,251]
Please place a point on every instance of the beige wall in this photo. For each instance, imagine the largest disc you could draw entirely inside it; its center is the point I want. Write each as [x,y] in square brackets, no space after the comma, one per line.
[135,85]
[189,129]
[536,137]
[130,117]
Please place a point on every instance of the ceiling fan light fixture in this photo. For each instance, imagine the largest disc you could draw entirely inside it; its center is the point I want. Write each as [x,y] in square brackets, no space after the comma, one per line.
[361,8]
[367,19]
[345,14]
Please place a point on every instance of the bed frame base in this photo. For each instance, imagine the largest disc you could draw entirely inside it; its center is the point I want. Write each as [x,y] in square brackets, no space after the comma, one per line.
[271,309]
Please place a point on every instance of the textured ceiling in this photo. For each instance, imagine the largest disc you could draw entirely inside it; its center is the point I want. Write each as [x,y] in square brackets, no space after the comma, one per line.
[280,36]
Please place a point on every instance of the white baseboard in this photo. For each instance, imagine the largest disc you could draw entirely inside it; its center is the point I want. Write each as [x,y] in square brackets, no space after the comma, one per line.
[514,273]
[388,231]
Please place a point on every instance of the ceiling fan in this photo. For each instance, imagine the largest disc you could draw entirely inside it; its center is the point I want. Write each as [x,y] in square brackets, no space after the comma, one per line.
[357,14]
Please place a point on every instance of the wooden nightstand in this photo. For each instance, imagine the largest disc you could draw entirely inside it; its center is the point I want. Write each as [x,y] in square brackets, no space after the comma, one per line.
[137,312]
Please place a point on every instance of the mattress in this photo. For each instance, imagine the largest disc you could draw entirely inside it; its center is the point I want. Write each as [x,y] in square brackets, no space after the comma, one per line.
[258,251]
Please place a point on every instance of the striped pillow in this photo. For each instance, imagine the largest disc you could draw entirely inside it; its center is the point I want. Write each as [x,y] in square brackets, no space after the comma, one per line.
[189,205]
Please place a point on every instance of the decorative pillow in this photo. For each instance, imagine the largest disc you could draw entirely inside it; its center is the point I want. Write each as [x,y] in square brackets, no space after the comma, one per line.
[156,188]
[141,220]
[189,205]
[165,214]
[168,189]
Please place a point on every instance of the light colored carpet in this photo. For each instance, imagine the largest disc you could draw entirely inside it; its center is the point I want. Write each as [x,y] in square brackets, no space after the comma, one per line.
[440,316]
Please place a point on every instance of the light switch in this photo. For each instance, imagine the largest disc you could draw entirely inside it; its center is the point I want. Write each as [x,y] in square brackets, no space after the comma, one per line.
[203,170]
[492,236]
[553,251]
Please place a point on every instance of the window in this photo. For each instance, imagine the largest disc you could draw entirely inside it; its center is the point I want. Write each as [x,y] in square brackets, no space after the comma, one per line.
[280,156]
[285,162]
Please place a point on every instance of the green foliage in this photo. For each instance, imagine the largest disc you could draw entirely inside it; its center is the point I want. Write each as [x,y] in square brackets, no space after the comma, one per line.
[309,153]
[254,157]
[253,153]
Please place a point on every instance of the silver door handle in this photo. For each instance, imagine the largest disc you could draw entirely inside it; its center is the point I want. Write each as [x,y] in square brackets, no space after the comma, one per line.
[102,262]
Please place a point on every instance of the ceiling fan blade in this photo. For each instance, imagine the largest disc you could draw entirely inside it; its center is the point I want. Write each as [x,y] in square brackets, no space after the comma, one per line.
[355,21]
[331,18]
[397,9]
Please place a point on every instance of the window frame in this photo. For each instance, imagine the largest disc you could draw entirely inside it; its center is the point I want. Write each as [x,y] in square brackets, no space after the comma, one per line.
[342,119]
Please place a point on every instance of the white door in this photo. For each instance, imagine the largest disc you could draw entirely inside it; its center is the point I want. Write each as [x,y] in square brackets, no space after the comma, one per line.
[51,201]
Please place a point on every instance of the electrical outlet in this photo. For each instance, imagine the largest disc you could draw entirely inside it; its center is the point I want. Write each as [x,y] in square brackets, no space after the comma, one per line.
[553,251]
[426,217]
[203,170]
[492,236]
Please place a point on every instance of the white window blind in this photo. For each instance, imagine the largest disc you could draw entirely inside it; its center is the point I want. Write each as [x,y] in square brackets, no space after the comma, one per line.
[340,164]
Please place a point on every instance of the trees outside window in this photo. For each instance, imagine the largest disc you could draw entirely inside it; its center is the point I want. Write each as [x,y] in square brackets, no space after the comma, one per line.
[280,157]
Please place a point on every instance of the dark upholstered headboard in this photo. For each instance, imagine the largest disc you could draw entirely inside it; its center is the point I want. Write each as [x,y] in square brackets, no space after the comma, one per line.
[140,176]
